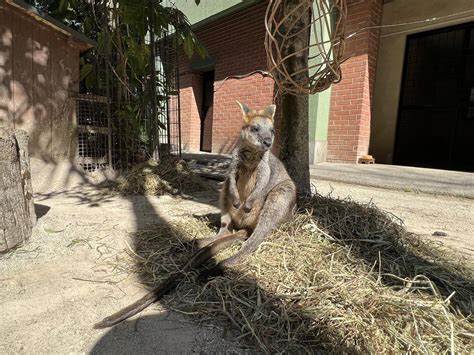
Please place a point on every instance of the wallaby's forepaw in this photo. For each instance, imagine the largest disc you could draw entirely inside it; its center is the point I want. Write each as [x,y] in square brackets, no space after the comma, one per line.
[236,203]
[248,206]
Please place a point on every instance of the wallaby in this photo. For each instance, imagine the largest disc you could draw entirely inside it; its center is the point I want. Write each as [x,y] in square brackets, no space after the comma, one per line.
[257,196]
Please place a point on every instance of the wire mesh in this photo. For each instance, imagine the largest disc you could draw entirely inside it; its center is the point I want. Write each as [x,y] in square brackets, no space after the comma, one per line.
[92,131]
[169,136]
[107,138]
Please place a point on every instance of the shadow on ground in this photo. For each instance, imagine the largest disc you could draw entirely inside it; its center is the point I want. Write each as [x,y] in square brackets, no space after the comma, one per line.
[41,210]
[147,334]
[379,239]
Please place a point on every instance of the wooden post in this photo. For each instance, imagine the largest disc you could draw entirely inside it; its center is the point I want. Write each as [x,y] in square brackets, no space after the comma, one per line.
[294,109]
[17,213]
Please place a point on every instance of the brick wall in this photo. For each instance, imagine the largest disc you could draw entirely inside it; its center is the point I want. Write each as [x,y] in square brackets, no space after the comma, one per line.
[350,110]
[236,45]
[190,101]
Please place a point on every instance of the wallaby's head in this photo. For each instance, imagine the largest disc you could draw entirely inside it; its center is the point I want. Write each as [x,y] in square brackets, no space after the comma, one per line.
[258,132]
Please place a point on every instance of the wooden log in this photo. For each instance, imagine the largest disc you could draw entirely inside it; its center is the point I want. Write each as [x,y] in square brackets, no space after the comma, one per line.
[17,213]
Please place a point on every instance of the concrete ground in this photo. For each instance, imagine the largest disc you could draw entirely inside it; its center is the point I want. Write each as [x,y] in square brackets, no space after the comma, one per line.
[423,214]
[67,277]
[427,200]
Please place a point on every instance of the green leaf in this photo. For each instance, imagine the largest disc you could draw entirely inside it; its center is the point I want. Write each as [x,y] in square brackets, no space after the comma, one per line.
[86,70]
[189,46]
[63,5]
[200,49]
[134,13]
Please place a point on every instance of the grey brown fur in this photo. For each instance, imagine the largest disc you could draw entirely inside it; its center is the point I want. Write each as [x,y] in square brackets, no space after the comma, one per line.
[258,194]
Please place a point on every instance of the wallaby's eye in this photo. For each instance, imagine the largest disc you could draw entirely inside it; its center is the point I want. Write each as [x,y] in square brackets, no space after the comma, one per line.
[273,131]
[255,128]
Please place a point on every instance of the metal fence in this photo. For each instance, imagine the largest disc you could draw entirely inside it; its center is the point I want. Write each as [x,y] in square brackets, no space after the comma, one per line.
[108,140]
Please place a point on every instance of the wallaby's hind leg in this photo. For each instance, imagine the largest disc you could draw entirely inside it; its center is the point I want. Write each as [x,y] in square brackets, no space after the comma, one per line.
[226,224]
[277,208]
[225,229]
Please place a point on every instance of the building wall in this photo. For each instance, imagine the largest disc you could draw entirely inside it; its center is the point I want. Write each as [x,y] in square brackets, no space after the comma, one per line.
[391,61]
[190,101]
[318,126]
[206,10]
[350,111]
[237,48]
[38,66]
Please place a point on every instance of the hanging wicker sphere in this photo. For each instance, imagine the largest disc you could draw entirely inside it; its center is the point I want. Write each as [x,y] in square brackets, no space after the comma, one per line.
[287,49]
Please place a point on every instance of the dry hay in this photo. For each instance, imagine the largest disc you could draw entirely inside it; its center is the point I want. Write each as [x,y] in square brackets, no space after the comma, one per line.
[167,176]
[340,277]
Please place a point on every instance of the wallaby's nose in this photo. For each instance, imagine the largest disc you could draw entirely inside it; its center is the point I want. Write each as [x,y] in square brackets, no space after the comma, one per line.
[267,142]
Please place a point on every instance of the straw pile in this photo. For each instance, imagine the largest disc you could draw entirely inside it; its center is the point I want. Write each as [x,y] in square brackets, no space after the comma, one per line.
[340,277]
[167,176]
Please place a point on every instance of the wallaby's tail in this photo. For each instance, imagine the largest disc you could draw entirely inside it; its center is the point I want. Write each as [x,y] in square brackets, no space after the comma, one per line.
[196,260]
[139,305]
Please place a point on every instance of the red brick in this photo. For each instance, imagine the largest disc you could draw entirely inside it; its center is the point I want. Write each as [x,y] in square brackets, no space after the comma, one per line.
[357,85]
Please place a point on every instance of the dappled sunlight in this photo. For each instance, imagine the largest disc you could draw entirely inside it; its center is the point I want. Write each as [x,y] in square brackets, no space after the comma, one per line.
[38,70]
[61,174]
[21,104]
[6,37]
[40,78]
[4,57]
[40,54]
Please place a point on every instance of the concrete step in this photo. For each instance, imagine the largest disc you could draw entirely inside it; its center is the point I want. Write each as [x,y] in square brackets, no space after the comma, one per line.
[209,166]
[394,177]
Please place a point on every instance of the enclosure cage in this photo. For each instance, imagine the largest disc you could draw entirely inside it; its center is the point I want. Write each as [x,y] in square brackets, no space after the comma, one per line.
[108,140]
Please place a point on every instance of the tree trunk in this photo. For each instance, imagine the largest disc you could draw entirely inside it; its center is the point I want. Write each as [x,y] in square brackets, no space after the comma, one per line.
[294,140]
[17,213]
[295,117]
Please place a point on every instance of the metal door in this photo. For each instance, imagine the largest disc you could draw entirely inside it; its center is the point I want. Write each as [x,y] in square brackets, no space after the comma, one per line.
[436,114]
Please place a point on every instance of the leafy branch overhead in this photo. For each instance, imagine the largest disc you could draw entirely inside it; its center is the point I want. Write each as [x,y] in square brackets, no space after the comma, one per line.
[123,30]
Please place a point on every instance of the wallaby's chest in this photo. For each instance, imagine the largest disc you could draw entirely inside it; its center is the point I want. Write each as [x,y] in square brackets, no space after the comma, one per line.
[246,180]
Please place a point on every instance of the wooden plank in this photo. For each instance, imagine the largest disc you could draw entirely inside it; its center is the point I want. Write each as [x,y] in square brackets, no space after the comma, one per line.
[6,60]
[93,129]
[40,138]
[91,160]
[62,80]
[89,97]
[22,88]
[72,57]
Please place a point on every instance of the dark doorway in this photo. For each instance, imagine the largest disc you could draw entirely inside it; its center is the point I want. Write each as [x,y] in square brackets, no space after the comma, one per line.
[206,111]
[436,114]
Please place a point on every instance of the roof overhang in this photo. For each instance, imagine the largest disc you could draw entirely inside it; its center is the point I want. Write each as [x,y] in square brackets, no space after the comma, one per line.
[81,41]
[227,12]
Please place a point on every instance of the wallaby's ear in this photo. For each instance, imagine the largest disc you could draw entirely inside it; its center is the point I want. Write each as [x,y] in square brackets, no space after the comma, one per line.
[270,111]
[245,110]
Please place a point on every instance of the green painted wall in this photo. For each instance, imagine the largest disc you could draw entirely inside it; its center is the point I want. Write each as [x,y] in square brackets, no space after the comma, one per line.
[318,107]
[210,10]
[319,112]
